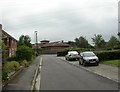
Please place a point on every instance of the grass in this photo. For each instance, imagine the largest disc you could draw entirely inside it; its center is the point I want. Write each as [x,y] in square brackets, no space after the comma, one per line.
[112,62]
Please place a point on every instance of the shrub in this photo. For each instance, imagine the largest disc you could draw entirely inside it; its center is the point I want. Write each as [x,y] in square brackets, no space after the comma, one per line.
[24,53]
[108,55]
[13,58]
[24,63]
[9,67]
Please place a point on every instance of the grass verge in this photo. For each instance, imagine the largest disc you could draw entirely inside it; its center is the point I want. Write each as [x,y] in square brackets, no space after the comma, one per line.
[112,62]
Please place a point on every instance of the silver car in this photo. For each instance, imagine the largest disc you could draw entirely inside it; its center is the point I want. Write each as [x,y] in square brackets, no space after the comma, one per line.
[72,55]
[88,57]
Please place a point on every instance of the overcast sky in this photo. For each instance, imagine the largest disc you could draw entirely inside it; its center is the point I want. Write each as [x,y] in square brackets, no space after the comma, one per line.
[57,20]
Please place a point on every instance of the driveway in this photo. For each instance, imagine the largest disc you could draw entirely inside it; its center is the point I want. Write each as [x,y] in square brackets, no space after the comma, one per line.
[107,71]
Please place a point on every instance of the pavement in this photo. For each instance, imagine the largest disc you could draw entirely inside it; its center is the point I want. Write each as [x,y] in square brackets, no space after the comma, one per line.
[107,71]
[0,72]
[24,80]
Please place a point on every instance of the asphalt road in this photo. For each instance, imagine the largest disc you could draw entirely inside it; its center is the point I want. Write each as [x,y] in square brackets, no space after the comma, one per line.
[59,75]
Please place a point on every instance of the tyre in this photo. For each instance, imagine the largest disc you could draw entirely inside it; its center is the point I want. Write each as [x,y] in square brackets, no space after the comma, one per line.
[84,64]
[97,64]
[81,62]
[65,58]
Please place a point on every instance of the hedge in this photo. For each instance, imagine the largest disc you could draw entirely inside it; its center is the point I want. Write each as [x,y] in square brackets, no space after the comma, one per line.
[102,55]
[108,55]
[65,51]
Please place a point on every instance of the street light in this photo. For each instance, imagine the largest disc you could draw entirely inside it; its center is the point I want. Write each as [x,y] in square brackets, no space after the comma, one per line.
[36,42]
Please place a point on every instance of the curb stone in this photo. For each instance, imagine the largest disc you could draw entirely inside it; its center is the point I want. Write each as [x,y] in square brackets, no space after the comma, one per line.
[35,76]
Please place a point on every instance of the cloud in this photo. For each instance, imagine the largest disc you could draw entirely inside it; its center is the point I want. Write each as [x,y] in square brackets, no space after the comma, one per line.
[60,19]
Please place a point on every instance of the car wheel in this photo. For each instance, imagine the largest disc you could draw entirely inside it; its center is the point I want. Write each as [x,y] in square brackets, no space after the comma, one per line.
[68,59]
[84,64]
[97,64]
[81,62]
[65,58]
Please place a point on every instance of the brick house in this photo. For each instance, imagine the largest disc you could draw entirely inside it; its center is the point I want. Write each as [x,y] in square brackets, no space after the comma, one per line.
[10,43]
[52,47]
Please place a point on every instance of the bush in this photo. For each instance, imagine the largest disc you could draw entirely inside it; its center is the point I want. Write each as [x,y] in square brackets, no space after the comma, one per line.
[13,58]
[108,55]
[9,67]
[24,53]
[24,63]
[37,51]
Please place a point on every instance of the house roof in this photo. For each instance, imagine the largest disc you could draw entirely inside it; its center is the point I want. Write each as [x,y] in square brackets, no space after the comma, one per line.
[55,44]
[45,41]
[5,34]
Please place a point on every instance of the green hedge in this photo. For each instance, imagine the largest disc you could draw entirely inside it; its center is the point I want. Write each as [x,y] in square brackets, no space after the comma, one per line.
[108,55]
[102,55]
[65,51]
[62,53]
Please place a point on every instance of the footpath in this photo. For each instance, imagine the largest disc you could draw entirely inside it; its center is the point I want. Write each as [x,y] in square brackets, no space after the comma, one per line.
[106,71]
[24,80]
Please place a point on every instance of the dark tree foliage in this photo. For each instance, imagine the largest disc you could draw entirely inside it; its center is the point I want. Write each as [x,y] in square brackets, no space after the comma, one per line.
[24,40]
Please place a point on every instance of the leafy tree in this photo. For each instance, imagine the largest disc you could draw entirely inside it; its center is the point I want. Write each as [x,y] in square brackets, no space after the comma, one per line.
[98,41]
[81,42]
[24,40]
[71,43]
[113,42]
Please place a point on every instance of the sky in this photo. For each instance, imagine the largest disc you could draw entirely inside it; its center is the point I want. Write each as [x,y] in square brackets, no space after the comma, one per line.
[57,20]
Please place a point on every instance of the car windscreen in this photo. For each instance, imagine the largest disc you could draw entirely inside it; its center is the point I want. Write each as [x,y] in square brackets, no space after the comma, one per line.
[88,54]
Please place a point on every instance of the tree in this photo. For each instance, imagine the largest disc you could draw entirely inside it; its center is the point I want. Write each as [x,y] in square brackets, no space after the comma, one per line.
[81,42]
[71,43]
[24,40]
[113,42]
[98,41]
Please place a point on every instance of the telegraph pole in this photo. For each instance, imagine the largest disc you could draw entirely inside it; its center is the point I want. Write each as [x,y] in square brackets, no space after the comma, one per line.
[36,39]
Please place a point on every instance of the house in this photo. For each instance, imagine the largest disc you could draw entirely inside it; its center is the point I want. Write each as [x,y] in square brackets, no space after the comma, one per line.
[52,47]
[10,43]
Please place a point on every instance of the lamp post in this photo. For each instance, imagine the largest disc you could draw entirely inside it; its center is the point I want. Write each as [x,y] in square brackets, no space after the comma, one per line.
[36,46]
[119,20]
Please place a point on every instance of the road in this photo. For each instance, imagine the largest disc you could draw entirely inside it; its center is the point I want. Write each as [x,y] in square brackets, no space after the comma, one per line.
[59,75]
